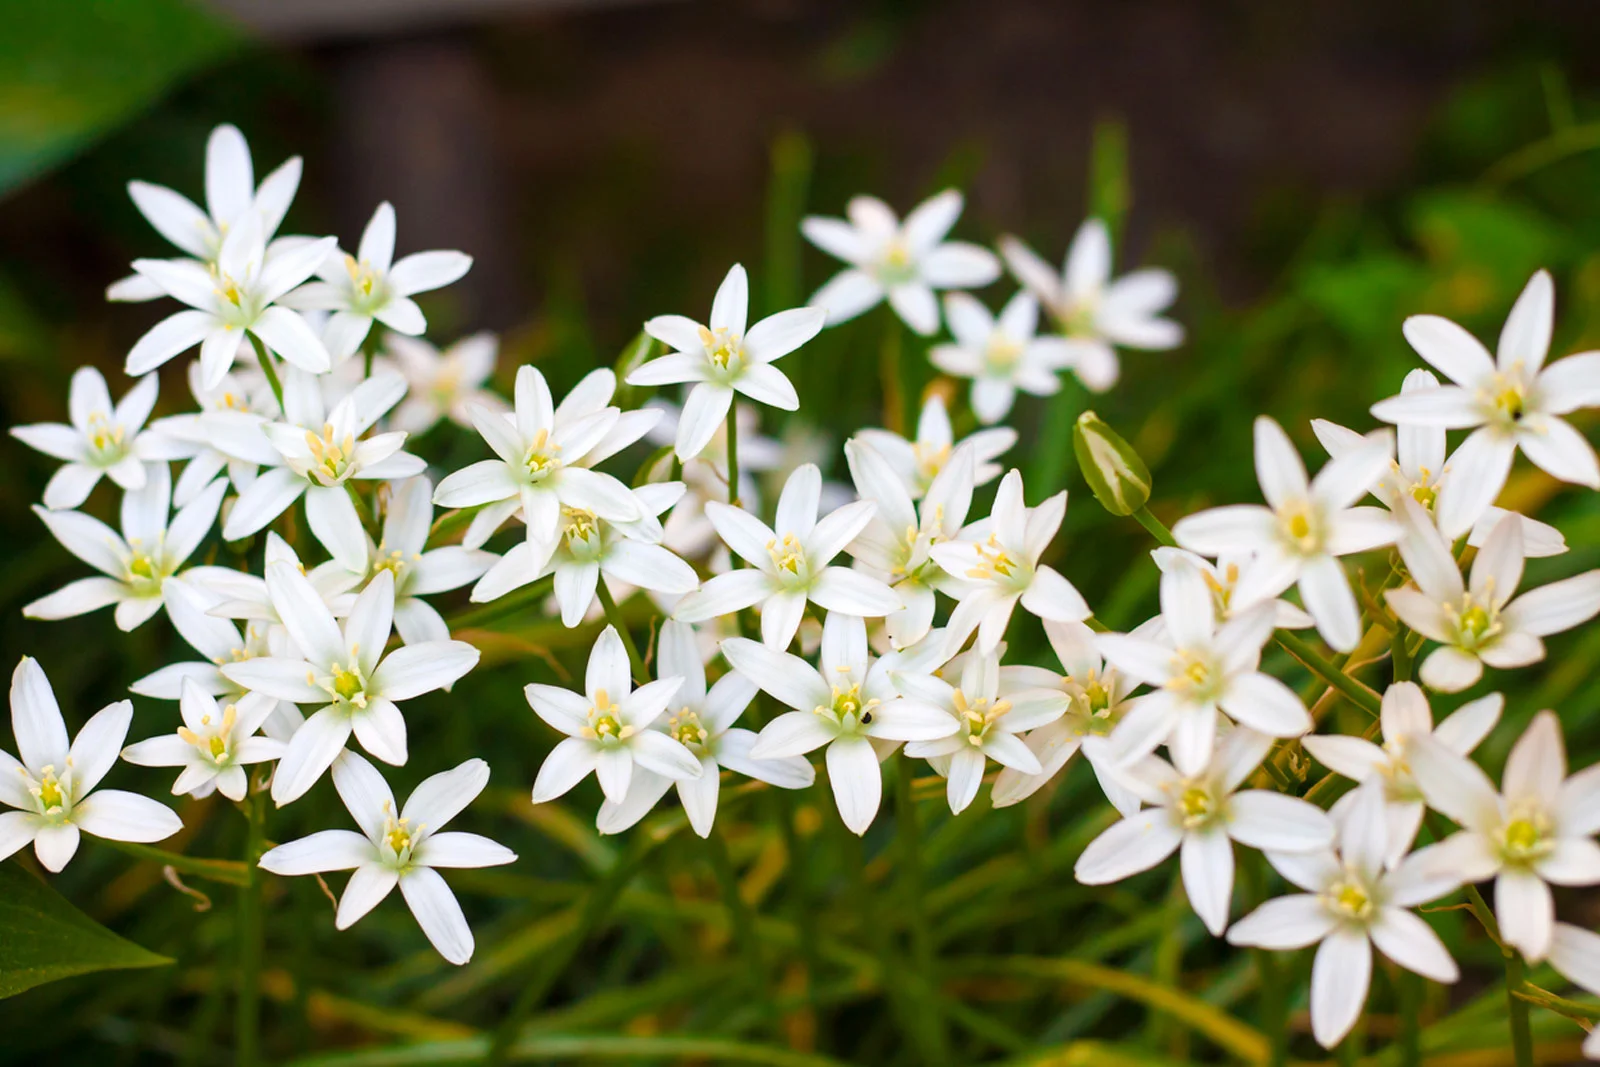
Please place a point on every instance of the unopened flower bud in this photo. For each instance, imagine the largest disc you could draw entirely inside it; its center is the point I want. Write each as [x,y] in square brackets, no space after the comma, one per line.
[1114,471]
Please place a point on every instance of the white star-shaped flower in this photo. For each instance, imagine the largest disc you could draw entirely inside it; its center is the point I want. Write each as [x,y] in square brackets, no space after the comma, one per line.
[919,461]
[443,385]
[102,439]
[214,744]
[1001,354]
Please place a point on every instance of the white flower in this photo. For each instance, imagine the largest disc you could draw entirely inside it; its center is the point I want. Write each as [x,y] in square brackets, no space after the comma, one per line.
[345,673]
[52,783]
[1405,717]
[238,595]
[919,462]
[904,261]
[1536,831]
[1480,623]
[372,285]
[1514,401]
[1000,355]
[1418,469]
[1199,668]
[230,192]
[134,564]
[443,385]
[1093,311]
[790,566]
[896,545]
[102,440]
[607,728]
[401,848]
[213,745]
[1575,952]
[539,467]
[702,721]
[724,358]
[984,725]
[243,398]
[314,453]
[846,703]
[236,295]
[996,562]
[1203,815]
[1351,903]
[1223,578]
[1299,536]
[1093,697]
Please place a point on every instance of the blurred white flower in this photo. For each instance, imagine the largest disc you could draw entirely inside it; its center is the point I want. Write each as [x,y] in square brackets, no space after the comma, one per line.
[443,385]
[1575,952]
[918,462]
[1000,354]
[102,439]
[214,744]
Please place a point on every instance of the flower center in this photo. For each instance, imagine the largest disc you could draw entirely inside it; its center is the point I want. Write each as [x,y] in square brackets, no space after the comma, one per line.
[1527,837]
[930,460]
[788,556]
[1196,807]
[1001,354]
[1476,623]
[994,563]
[686,728]
[1301,527]
[895,266]
[848,710]
[394,561]
[543,457]
[1349,899]
[346,685]
[399,836]
[228,289]
[331,460]
[144,570]
[582,530]
[603,722]
[1194,675]
[105,438]
[977,716]
[724,349]
[213,746]
[363,279]
[50,793]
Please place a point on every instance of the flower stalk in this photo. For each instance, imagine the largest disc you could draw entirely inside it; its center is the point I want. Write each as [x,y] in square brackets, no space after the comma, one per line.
[247,1018]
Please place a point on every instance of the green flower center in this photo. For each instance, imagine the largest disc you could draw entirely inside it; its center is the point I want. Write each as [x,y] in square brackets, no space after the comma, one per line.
[105,438]
[1196,806]
[604,723]
[542,459]
[1527,837]
[977,716]
[686,728]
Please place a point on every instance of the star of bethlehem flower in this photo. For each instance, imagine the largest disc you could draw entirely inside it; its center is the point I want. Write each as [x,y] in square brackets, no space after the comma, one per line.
[1000,354]
[372,284]
[850,702]
[443,385]
[702,721]
[996,563]
[1536,831]
[1305,527]
[903,261]
[1095,313]
[1479,622]
[724,358]
[1405,717]
[235,296]
[134,564]
[1418,469]
[230,192]
[238,595]
[399,845]
[790,565]
[213,746]
[919,461]
[1575,952]
[896,544]
[1223,575]
[1350,904]
[102,440]
[245,395]
[52,786]
[314,453]
[1200,815]
[1509,402]
[607,728]
[344,672]
[1198,668]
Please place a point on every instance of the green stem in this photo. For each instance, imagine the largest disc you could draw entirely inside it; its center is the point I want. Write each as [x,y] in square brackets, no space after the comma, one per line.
[1521,1031]
[226,872]
[923,984]
[1410,1019]
[614,617]
[1274,1008]
[511,603]
[1400,654]
[1157,528]
[894,403]
[247,1020]
[268,367]
[733,454]
[1358,694]
[742,920]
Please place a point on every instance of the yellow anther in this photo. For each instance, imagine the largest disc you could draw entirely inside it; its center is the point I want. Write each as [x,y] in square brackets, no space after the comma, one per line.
[1351,899]
[787,554]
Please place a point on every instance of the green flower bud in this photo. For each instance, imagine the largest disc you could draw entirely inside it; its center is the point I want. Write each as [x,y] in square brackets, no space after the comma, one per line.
[1114,471]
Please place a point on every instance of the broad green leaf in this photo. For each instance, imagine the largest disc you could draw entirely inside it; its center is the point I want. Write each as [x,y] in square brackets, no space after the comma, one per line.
[43,938]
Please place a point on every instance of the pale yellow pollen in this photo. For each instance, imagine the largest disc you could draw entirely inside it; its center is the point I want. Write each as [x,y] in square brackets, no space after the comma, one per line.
[788,555]
[687,729]
[723,348]
[330,457]
[994,562]
[542,457]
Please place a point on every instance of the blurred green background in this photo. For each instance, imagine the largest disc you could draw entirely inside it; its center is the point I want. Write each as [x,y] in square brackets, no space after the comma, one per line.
[1313,172]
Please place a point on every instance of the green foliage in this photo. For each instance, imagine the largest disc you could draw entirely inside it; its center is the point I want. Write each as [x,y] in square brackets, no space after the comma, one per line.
[43,938]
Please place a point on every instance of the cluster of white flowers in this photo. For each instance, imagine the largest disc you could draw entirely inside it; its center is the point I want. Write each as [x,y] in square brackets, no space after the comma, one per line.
[870,623]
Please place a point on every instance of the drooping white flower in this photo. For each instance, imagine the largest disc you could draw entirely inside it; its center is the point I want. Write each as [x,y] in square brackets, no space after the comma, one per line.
[1350,904]
[313,453]
[1575,952]
[1203,814]
[725,358]
[1199,668]
[236,295]
[399,845]
[134,564]
[1001,354]
[1418,469]
[790,566]
[443,385]
[214,744]
[607,728]
[230,192]
[996,560]
[1305,527]
[51,786]
[102,439]
[1479,622]
[344,672]
[1093,311]
[896,545]
[1405,717]
[846,703]
[905,261]
[702,721]
[918,462]
[1536,831]
[1223,577]
[1511,401]
[372,285]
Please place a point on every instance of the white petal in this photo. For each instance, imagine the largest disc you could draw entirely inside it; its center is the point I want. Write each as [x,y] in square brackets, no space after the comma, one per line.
[1526,911]
[365,890]
[1132,845]
[1340,978]
[325,850]
[1207,863]
[1453,351]
[856,780]
[1289,922]
[120,816]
